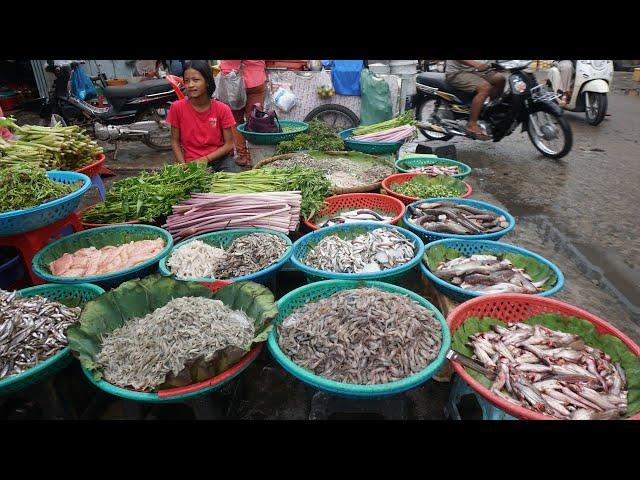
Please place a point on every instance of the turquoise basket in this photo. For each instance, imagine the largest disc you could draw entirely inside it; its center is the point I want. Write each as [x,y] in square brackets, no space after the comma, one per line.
[473,247]
[98,238]
[405,164]
[223,239]
[29,219]
[81,293]
[311,293]
[368,147]
[348,231]
[429,236]
[274,138]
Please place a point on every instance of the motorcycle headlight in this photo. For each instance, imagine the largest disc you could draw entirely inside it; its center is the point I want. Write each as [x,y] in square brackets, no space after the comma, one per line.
[599,64]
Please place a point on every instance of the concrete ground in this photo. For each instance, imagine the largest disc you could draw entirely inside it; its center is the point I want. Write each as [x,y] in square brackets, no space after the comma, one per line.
[578,212]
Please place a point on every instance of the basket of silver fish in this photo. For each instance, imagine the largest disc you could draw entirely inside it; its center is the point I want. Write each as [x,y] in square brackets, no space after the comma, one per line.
[105,256]
[438,218]
[159,340]
[359,339]
[358,251]
[348,172]
[465,269]
[33,323]
[433,166]
[357,207]
[241,254]
[542,359]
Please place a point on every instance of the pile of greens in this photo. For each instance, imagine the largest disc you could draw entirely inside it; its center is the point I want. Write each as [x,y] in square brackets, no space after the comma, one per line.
[26,186]
[609,344]
[311,182]
[150,196]
[424,186]
[318,137]
[404,119]
[536,270]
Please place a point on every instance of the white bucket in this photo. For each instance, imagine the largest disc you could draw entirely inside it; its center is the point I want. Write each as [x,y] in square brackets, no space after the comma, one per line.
[379,68]
[407,67]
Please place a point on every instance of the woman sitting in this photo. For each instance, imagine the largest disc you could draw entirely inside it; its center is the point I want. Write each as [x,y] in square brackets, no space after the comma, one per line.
[201,128]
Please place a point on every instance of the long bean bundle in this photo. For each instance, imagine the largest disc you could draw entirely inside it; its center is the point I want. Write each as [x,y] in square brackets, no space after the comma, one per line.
[52,148]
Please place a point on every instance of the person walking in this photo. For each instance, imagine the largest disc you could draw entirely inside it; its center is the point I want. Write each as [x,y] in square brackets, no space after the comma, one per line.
[254,74]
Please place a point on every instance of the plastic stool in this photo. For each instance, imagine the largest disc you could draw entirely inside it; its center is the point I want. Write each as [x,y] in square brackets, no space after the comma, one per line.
[97,182]
[30,243]
[460,389]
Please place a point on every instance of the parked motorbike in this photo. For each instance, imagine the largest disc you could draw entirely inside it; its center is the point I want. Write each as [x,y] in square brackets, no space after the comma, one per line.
[136,111]
[591,84]
[442,111]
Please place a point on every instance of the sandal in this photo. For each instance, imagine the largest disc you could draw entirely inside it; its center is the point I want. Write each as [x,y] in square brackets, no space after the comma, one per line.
[477,136]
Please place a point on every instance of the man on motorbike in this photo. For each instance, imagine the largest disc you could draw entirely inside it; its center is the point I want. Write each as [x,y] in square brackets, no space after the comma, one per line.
[473,76]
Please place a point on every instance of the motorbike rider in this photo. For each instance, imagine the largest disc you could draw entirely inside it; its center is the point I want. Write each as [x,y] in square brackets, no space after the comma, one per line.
[563,75]
[473,76]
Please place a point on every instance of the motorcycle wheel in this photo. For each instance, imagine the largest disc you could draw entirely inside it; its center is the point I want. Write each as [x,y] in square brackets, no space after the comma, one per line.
[161,140]
[424,110]
[337,117]
[541,130]
[595,107]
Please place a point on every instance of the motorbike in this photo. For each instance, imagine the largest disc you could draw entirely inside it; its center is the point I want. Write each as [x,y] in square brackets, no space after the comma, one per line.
[591,84]
[136,111]
[442,111]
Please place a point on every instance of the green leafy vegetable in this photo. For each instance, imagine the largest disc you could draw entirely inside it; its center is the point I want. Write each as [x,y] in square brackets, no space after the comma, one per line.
[318,137]
[424,186]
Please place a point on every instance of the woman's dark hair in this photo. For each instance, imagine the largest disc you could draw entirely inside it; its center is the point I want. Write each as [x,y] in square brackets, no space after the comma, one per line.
[205,70]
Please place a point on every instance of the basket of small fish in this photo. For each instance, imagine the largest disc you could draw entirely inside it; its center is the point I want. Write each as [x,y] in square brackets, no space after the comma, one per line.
[159,340]
[32,198]
[33,342]
[411,187]
[462,218]
[433,166]
[369,146]
[357,207]
[542,359]
[240,254]
[359,338]
[465,269]
[105,256]
[358,251]
[290,129]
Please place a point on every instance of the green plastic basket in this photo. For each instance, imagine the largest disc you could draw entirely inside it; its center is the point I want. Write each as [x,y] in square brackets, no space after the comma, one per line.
[101,237]
[405,164]
[82,293]
[223,239]
[311,293]
[274,138]
[374,148]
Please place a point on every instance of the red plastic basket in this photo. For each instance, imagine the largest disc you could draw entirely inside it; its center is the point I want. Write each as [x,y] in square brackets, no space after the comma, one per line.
[372,201]
[517,307]
[93,169]
[87,225]
[405,177]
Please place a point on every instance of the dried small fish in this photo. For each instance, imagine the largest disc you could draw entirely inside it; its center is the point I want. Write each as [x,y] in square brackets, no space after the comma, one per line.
[362,336]
[144,350]
[31,330]
[196,259]
[376,250]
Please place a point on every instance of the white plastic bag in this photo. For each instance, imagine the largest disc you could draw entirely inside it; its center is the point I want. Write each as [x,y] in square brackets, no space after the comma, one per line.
[325,85]
[284,99]
[231,90]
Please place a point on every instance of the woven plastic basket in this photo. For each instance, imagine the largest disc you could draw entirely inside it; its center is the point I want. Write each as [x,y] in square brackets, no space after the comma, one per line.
[406,163]
[513,308]
[82,293]
[391,180]
[310,293]
[27,220]
[93,169]
[429,236]
[101,237]
[352,201]
[368,147]
[349,231]
[223,239]
[274,138]
[473,247]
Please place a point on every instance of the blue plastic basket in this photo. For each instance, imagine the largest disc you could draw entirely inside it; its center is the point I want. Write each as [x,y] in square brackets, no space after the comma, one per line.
[29,219]
[351,230]
[223,239]
[472,247]
[100,237]
[405,164]
[311,293]
[369,147]
[428,236]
